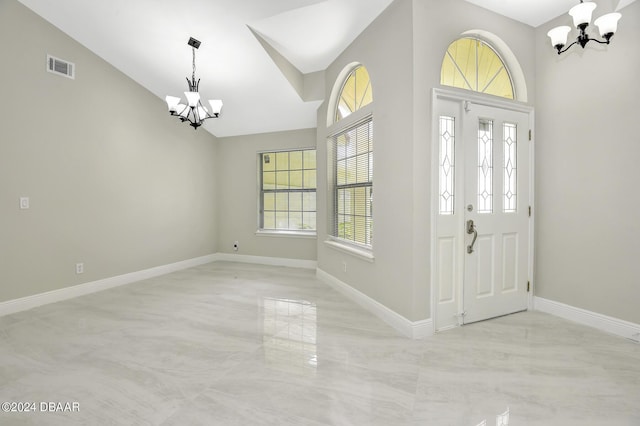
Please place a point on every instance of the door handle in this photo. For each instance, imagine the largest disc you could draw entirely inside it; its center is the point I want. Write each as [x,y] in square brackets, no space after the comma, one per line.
[471,229]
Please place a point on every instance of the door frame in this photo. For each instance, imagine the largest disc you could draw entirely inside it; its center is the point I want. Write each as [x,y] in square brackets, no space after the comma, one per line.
[463,96]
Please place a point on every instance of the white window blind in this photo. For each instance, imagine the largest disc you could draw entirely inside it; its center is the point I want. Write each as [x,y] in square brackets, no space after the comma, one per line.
[352,152]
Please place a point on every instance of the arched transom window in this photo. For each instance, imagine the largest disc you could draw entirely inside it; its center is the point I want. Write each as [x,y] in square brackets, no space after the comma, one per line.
[356,93]
[472,64]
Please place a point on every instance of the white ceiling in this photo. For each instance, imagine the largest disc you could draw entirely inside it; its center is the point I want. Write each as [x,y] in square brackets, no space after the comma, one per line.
[537,12]
[147,40]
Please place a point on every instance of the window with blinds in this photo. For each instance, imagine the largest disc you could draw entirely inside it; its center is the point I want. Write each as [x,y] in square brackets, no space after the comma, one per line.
[352,151]
[288,190]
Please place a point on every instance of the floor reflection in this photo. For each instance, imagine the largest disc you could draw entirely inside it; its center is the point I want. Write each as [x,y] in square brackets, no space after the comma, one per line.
[501,419]
[290,328]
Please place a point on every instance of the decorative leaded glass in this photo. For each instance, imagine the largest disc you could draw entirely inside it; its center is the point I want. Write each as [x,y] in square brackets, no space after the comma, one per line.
[485,166]
[472,64]
[356,93]
[510,132]
[447,165]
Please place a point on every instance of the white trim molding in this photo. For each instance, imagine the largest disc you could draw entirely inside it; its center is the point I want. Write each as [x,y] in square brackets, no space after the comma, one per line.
[411,329]
[362,253]
[29,302]
[602,322]
[263,260]
[286,234]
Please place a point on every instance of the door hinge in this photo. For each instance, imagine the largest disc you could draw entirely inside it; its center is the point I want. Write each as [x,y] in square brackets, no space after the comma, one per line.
[530,134]
[528,286]
[529,211]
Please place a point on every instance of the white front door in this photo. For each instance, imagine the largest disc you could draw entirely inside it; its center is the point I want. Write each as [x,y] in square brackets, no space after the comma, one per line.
[482,226]
[496,212]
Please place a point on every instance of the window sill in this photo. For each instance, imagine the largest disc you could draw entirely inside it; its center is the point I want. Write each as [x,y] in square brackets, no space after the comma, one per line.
[286,234]
[362,253]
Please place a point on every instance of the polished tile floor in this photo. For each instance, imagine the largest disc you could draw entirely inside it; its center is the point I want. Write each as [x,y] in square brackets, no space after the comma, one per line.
[239,344]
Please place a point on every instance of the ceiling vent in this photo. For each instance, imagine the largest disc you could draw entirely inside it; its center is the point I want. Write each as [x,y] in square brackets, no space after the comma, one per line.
[61,67]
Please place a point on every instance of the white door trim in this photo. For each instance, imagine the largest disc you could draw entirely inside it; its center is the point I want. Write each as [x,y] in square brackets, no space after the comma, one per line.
[466,96]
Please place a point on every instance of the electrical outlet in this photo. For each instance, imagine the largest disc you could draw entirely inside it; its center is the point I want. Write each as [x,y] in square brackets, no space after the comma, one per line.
[79,268]
[24,203]
[235,246]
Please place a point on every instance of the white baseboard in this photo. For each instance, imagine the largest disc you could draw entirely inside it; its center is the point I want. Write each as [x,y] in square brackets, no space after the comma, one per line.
[602,322]
[263,260]
[29,302]
[414,330]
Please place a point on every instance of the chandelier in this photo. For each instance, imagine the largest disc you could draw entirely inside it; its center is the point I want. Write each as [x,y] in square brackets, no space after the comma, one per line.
[607,25]
[193,111]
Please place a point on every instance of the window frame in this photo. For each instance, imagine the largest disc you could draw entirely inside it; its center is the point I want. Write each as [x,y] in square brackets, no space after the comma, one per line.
[346,186]
[288,232]
[352,121]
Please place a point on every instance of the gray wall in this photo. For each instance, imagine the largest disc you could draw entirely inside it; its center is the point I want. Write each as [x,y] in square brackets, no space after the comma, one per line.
[588,157]
[237,173]
[114,182]
[384,48]
[403,51]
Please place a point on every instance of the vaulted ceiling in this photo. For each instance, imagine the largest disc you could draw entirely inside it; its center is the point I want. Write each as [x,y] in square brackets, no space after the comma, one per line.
[254,53]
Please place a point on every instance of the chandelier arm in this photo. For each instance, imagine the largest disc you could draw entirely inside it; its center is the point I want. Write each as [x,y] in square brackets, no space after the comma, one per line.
[561,50]
[205,110]
[583,43]
[179,113]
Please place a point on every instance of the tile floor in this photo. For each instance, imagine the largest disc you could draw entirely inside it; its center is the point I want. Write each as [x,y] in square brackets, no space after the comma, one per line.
[238,344]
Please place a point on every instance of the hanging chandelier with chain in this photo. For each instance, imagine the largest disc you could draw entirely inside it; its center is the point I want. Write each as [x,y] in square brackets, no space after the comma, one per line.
[193,111]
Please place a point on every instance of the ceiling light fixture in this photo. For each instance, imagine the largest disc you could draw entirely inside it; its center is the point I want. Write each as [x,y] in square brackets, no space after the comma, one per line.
[607,24]
[193,112]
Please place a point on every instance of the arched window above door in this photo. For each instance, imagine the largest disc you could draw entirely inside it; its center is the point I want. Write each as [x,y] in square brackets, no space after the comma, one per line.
[472,64]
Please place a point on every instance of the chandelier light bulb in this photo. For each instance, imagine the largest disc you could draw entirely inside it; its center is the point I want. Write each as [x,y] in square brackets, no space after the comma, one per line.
[193,98]
[172,103]
[559,35]
[582,13]
[608,24]
[216,106]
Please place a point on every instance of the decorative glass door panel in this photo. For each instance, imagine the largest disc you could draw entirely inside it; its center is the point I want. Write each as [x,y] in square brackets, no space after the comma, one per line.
[496,265]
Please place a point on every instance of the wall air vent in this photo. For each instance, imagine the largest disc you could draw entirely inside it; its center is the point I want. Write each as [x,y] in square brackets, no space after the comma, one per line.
[61,67]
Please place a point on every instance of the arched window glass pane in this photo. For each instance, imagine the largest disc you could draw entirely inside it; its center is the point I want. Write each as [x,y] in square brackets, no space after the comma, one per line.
[472,64]
[356,93]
